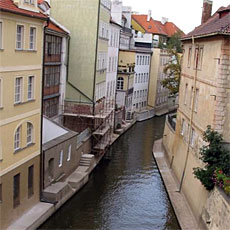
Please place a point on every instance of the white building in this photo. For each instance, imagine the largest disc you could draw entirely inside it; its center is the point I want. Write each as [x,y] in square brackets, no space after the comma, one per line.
[141,80]
[112,63]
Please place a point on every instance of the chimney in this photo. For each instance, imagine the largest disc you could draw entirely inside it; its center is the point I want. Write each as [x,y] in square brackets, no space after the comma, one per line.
[164,20]
[149,16]
[207,11]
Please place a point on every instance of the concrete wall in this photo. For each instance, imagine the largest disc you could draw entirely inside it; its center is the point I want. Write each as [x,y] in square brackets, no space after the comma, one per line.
[80,15]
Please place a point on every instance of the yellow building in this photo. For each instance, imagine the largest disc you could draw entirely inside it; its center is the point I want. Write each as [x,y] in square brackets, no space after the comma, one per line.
[203,100]
[21,53]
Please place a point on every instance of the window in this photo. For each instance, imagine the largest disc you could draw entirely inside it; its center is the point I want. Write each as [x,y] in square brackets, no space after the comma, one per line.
[20,37]
[69,153]
[30,87]
[51,107]
[32,38]
[30,181]
[52,76]
[191,96]
[1,92]
[120,83]
[18,90]
[137,60]
[140,60]
[186,94]
[189,56]
[60,158]
[193,136]
[0,193]
[198,57]
[1,37]
[16,191]
[29,133]
[17,138]
[183,127]
[196,100]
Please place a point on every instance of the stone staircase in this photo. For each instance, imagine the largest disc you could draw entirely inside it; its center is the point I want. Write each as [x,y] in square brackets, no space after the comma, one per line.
[86,160]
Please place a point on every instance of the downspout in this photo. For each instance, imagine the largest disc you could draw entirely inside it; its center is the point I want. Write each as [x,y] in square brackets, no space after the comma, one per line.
[116,76]
[191,119]
[95,66]
[42,157]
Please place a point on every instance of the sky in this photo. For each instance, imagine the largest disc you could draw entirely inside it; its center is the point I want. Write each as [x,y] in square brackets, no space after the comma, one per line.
[186,14]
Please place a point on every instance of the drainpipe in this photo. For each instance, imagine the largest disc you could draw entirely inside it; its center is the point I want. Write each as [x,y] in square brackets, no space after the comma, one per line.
[95,66]
[42,157]
[191,118]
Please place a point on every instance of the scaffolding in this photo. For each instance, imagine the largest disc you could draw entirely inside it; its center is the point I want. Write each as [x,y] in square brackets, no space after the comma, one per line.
[101,123]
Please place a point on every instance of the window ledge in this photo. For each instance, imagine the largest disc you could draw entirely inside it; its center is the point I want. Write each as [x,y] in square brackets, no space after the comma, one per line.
[104,39]
[24,102]
[21,149]
[24,50]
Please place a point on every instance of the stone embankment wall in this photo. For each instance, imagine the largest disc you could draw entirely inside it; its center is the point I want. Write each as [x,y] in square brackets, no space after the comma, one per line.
[216,214]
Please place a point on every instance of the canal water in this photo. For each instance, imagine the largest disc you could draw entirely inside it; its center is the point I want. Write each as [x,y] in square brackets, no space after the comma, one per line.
[125,191]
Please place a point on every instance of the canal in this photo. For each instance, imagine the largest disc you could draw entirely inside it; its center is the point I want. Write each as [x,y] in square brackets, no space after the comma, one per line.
[125,191]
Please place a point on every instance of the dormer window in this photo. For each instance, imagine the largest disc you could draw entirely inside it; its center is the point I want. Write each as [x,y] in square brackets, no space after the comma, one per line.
[31,2]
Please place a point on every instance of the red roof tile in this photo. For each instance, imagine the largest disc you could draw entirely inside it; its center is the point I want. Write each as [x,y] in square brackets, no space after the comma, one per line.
[56,28]
[214,24]
[9,6]
[156,27]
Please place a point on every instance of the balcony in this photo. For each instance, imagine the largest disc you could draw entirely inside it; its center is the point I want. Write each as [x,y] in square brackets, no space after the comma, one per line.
[172,120]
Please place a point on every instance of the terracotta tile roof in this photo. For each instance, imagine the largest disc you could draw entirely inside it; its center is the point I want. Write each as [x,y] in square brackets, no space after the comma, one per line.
[214,24]
[40,1]
[156,27]
[9,6]
[54,27]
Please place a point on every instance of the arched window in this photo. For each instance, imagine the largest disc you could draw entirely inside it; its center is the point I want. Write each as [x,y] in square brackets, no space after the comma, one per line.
[29,133]
[120,83]
[17,138]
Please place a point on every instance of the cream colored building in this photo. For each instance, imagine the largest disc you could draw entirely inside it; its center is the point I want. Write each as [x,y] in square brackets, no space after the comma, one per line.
[203,100]
[21,52]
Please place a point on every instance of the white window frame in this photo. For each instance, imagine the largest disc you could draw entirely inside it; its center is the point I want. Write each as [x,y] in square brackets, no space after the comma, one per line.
[30,94]
[18,92]
[17,138]
[29,137]
[120,83]
[69,152]
[32,42]
[22,37]
[196,100]
[60,159]
[1,34]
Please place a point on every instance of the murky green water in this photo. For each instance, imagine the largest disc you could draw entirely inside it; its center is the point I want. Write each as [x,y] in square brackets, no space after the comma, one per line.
[125,191]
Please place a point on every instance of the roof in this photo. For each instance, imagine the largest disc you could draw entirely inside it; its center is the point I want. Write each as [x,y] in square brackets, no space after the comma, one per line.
[9,6]
[156,27]
[54,27]
[213,25]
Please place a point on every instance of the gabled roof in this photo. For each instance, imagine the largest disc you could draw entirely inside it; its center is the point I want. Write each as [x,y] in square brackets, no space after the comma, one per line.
[9,6]
[213,25]
[156,27]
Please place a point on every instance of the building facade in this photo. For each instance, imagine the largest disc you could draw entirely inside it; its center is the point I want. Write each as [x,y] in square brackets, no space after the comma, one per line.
[21,53]
[203,101]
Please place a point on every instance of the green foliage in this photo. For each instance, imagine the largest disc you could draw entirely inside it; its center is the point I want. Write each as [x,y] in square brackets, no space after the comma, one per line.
[175,42]
[214,157]
[173,72]
[221,180]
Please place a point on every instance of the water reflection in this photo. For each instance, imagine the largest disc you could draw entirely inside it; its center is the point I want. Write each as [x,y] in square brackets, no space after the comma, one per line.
[125,191]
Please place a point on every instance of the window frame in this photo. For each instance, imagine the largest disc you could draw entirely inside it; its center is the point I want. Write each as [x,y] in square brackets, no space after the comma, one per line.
[20,93]
[17,138]
[120,83]
[16,190]
[30,181]
[30,89]
[29,133]
[69,152]
[60,159]
[22,37]
[34,38]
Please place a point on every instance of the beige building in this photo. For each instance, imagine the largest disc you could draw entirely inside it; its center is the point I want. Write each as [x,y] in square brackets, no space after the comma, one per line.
[21,52]
[204,100]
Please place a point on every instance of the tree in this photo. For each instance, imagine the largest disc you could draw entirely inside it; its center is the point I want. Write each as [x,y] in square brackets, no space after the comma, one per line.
[174,42]
[214,156]
[173,72]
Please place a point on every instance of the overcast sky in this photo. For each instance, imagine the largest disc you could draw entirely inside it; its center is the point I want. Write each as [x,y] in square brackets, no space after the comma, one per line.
[186,14]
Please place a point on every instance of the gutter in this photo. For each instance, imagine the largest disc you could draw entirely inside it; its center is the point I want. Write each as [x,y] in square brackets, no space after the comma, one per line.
[95,66]
[42,157]
[205,35]
[24,14]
